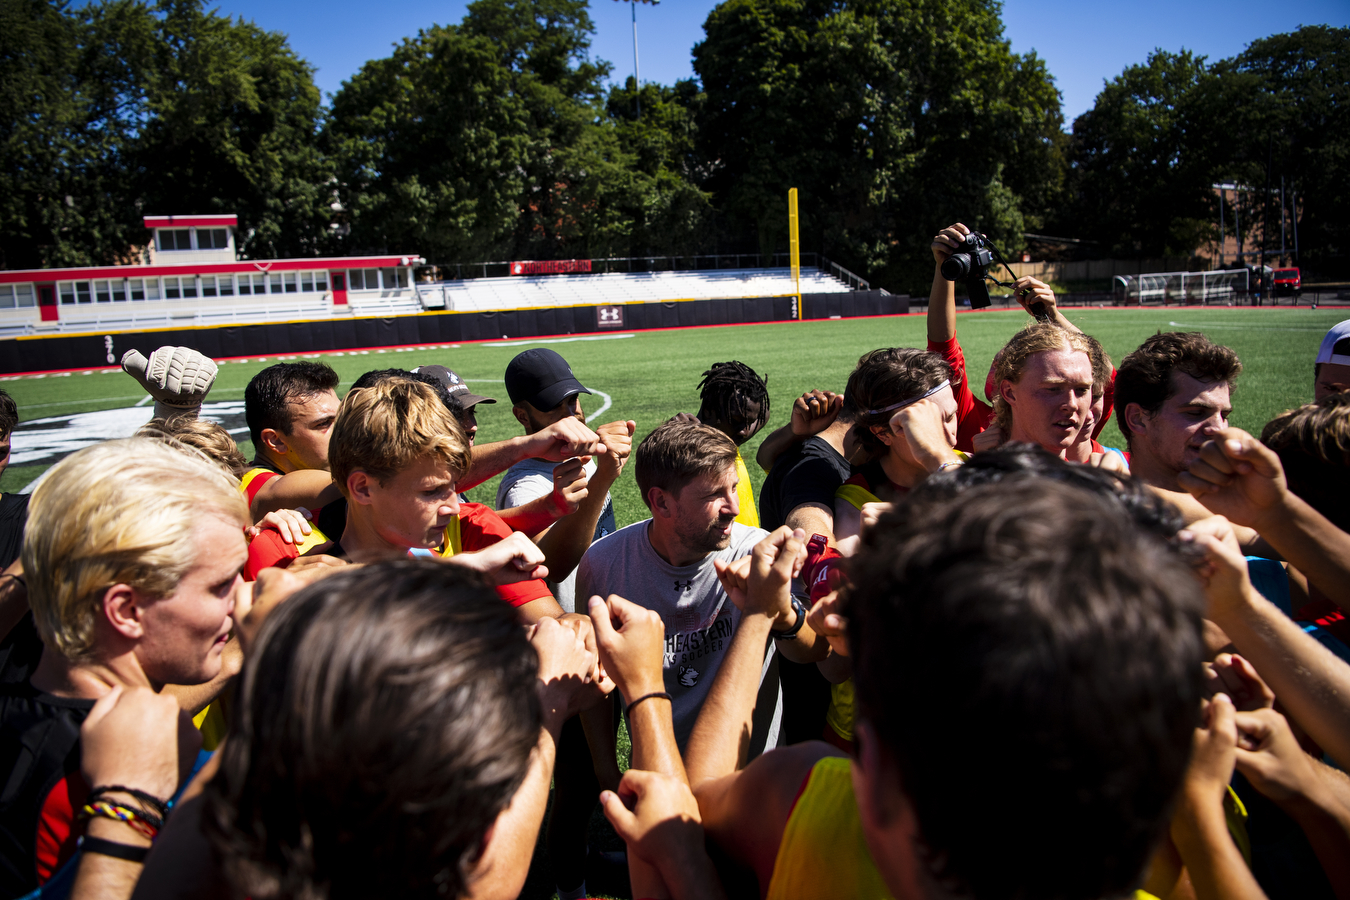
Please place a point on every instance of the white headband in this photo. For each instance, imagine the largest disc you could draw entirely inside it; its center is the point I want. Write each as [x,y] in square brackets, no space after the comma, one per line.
[903,403]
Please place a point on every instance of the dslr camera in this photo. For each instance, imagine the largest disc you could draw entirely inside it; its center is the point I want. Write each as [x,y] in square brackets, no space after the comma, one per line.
[970,263]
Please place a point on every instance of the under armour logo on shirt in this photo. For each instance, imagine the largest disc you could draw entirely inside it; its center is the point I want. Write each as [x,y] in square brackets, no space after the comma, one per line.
[685,586]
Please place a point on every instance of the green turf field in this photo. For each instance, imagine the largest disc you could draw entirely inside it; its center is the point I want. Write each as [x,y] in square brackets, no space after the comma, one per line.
[650,376]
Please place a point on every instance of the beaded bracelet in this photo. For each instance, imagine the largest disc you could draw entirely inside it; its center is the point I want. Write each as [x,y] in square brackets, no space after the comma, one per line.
[145,823]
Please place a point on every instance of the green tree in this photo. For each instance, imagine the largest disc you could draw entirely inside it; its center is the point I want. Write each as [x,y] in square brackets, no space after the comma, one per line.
[1145,157]
[231,119]
[891,118]
[118,109]
[490,140]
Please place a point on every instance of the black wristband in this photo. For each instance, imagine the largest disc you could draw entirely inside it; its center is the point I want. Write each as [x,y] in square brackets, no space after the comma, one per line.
[662,694]
[129,852]
[791,633]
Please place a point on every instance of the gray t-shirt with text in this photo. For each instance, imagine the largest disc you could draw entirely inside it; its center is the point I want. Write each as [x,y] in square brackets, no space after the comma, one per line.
[700,619]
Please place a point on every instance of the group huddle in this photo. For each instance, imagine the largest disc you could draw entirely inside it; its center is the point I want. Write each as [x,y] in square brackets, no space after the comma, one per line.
[956,647]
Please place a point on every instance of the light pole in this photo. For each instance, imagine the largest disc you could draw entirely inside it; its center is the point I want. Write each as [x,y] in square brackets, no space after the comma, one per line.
[637,79]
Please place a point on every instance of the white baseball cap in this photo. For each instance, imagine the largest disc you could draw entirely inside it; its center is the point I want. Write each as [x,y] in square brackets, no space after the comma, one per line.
[1327,353]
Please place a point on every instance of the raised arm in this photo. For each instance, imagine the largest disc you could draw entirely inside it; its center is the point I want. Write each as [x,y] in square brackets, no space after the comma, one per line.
[812,413]
[1030,291]
[942,296]
[568,539]
[1241,479]
[1311,682]
[562,440]
[758,584]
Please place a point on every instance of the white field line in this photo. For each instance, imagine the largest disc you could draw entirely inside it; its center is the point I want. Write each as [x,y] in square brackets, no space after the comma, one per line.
[604,406]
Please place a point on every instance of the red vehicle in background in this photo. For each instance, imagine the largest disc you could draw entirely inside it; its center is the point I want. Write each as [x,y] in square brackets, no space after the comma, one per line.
[1287,281]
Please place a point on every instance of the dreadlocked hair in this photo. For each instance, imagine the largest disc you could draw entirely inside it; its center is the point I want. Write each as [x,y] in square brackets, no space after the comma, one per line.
[728,389]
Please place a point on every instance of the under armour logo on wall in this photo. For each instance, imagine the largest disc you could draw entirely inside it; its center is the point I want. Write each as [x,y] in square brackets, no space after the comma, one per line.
[685,586]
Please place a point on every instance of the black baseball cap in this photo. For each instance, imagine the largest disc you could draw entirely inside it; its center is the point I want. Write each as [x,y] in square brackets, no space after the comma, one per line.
[541,378]
[454,384]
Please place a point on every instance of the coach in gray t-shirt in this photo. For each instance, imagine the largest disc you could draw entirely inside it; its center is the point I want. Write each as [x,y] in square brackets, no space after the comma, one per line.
[687,476]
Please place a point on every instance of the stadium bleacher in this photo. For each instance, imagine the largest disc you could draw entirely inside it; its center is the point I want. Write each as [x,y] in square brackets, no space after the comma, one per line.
[515,292]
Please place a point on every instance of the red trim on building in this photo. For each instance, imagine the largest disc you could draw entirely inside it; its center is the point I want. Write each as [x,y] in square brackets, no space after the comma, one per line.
[191,221]
[20,276]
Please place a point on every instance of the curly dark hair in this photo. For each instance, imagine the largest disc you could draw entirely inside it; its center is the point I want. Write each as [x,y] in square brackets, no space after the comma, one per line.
[726,392]
[1029,631]
[9,414]
[385,717]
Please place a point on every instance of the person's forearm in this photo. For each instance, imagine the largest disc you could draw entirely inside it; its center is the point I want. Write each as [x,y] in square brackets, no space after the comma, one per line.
[310,488]
[502,869]
[687,873]
[806,647]
[721,736]
[533,518]
[775,445]
[597,724]
[489,459]
[941,308]
[1216,866]
[1311,682]
[569,538]
[101,877]
[1308,541]
[653,735]
[196,697]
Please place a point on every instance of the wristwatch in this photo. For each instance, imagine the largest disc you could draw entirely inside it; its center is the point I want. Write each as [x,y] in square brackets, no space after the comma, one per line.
[791,633]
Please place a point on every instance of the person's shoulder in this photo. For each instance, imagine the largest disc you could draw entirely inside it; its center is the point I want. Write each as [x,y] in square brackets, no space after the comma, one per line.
[24,707]
[13,506]
[744,538]
[619,541]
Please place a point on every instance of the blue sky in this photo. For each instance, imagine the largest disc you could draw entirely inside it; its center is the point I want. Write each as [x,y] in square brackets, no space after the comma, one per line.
[1083,43]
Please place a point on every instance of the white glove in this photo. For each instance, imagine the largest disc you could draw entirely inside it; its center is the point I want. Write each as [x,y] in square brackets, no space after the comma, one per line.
[179,378]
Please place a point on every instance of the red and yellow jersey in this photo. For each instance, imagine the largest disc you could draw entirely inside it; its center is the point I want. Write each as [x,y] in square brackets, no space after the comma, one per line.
[477,528]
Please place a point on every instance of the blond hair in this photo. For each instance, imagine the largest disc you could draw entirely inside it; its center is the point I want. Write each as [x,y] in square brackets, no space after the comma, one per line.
[1038,337]
[209,438]
[119,512]
[385,428]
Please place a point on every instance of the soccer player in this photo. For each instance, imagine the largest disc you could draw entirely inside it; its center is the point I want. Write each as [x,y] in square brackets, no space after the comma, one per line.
[735,400]
[572,496]
[1331,372]
[967,618]
[687,475]
[132,555]
[907,416]
[1044,379]
[1174,393]
[395,454]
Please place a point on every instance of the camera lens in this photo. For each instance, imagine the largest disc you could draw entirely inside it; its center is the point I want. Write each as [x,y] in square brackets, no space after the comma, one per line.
[956,267]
